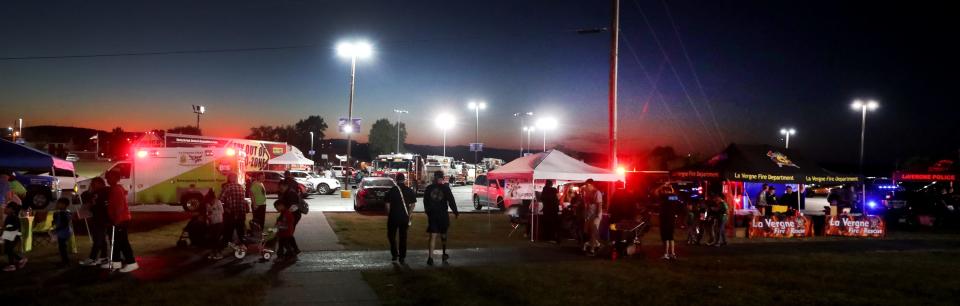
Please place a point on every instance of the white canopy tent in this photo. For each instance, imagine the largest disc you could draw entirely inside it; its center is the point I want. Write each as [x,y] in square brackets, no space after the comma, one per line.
[292,157]
[552,165]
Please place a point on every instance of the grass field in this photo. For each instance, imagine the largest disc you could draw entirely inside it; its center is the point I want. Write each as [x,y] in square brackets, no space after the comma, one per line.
[366,232]
[899,278]
[153,237]
[906,268]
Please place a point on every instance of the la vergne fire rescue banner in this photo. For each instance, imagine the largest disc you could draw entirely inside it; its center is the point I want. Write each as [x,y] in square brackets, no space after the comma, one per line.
[855,226]
[781,227]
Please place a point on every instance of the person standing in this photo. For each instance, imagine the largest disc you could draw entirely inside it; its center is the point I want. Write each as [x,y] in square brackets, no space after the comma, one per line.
[400,202]
[436,198]
[762,201]
[62,229]
[720,220]
[234,211]
[790,199]
[11,237]
[258,194]
[214,220]
[549,198]
[4,186]
[96,196]
[286,227]
[669,205]
[592,201]
[119,214]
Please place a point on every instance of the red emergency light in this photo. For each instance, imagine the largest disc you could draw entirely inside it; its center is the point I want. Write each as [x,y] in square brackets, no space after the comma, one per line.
[231,152]
[142,153]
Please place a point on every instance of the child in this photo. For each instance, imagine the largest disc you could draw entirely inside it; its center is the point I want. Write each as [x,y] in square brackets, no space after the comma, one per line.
[62,229]
[11,237]
[286,226]
[214,226]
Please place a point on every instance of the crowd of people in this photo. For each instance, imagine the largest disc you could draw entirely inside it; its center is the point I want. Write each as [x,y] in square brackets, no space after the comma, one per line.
[577,213]
[109,225]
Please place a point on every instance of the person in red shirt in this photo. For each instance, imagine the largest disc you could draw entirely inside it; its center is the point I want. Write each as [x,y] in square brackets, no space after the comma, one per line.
[119,214]
[286,227]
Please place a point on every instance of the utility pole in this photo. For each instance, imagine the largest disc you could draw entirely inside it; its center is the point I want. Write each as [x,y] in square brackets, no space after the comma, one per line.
[612,98]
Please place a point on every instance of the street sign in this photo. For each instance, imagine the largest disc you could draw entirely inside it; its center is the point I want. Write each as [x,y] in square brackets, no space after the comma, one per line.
[342,123]
[311,152]
[342,157]
[476,147]
[323,156]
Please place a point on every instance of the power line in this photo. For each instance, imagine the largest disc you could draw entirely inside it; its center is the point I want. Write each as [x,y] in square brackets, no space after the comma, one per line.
[666,56]
[696,78]
[174,52]
[655,92]
[529,35]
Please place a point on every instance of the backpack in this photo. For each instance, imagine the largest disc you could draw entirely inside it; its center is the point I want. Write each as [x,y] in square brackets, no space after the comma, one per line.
[303,207]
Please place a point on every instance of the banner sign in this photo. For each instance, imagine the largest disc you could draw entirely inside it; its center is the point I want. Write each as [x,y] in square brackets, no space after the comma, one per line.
[519,189]
[923,177]
[476,147]
[780,227]
[856,226]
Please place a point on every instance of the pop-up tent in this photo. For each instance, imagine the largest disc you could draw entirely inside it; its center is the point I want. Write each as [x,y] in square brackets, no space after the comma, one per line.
[18,157]
[292,158]
[552,165]
[761,163]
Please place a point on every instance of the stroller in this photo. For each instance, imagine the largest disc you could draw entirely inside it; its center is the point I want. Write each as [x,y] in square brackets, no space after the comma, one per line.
[261,241]
[194,234]
[626,237]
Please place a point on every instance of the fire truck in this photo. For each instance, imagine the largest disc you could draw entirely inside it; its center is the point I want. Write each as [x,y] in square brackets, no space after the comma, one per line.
[409,164]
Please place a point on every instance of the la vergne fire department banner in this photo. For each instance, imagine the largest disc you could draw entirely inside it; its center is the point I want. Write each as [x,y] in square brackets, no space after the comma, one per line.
[855,226]
[780,227]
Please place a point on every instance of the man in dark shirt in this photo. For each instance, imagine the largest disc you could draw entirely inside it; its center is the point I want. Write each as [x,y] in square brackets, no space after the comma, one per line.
[551,209]
[436,198]
[790,199]
[401,200]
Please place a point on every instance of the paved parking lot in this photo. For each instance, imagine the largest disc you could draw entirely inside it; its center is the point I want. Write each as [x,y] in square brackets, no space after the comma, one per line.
[334,203]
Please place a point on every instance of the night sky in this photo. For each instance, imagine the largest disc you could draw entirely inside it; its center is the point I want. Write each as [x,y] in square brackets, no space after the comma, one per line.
[714,72]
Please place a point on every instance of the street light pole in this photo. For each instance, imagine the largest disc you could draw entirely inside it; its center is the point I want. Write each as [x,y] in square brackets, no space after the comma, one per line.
[863,107]
[311,144]
[353,51]
[476,107]
[521,116]
[199,110]
[787,133]
[399,111]
[445,122]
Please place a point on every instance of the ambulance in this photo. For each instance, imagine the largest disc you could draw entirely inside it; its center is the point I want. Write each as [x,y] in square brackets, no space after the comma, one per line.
[176,176]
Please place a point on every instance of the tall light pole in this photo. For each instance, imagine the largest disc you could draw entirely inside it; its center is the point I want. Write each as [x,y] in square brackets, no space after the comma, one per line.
[311,144]
[19,134]
[529,130]
[399,111]
[612,95]
[445,122]
[199,110]
[787,132]
[545,124]
[522,116]
[863,107]
[476,107]
[352,50]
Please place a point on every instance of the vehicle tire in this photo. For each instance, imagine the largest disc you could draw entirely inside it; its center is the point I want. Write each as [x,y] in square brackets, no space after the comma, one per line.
[38,199]
[476,202]
[323,188]
[191,202]
[500,203]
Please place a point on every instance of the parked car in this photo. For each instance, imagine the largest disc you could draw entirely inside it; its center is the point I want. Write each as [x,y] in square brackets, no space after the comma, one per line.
[321,185]
[272,180]
[72,157]
[488,193]
[41,188]
[372,193]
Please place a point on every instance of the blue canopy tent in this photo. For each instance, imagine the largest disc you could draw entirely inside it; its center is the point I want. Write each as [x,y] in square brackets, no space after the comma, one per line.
[18,157]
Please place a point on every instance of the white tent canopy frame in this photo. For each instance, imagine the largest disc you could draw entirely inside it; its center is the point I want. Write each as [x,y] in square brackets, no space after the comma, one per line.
[551,165]
[292,157]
